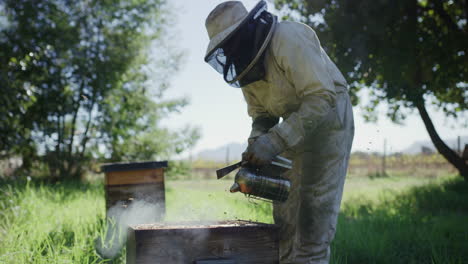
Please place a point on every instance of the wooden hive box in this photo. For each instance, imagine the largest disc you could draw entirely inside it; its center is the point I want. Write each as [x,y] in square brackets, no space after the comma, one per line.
[228,242]
[128,182]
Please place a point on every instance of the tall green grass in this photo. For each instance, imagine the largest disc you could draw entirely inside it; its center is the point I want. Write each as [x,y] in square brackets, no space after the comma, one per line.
[383,220]
[50,223]
[424,224]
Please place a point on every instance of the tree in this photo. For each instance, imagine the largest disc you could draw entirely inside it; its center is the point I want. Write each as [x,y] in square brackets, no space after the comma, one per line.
[409,53]
[77,86]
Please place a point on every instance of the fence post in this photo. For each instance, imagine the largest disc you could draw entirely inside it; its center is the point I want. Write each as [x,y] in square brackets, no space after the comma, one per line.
[383,157]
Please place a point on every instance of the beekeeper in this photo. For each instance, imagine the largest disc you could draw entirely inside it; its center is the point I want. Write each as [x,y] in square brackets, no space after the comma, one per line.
[284,73]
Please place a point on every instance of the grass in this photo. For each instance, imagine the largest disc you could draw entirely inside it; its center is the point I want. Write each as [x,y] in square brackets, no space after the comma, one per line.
[383,220]
[211,200]
[50,223]
[424,224]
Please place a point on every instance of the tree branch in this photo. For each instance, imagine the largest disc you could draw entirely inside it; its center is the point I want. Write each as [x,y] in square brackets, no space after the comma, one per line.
[84,141]
[440,145]
[75,115]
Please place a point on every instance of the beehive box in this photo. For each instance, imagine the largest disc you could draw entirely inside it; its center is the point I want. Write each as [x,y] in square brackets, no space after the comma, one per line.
[228,242]
[137,181]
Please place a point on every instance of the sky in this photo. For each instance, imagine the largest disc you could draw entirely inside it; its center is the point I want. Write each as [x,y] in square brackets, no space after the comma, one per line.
[221,112]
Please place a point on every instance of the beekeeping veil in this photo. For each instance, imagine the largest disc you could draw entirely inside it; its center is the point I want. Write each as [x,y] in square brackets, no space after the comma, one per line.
[238,40]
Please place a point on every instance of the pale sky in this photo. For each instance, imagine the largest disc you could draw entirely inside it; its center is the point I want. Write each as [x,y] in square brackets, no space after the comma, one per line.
[221,112]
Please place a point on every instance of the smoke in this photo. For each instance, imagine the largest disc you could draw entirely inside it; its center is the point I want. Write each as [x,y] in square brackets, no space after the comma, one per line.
[201,213]
[110,243]
[186,211]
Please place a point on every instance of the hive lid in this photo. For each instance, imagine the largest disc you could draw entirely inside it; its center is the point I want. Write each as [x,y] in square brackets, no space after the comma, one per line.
[201,225]
[130,166]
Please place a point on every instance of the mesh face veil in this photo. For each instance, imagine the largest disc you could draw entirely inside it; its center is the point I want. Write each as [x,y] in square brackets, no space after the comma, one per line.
[240,58]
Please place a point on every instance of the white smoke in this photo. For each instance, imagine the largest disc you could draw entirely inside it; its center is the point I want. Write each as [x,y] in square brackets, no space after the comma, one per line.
[139,212]
[120,217]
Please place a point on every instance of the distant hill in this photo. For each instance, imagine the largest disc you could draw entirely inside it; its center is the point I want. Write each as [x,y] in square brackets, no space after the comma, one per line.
[417,146]
[231,151]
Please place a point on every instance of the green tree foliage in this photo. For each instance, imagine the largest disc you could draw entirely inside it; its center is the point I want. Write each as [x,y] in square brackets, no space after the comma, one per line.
[410,54]
[78,82]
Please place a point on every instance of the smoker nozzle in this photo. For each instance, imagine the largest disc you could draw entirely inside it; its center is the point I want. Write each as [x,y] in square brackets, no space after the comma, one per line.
[235,188]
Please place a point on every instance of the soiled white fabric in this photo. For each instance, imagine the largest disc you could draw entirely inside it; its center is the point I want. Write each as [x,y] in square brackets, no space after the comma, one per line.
[305,88]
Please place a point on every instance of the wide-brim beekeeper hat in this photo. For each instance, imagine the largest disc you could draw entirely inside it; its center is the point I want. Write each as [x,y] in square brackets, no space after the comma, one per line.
[224,21]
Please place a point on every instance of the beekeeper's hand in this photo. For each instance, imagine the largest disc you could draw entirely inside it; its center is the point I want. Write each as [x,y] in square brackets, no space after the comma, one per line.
[263,150]
[250,141]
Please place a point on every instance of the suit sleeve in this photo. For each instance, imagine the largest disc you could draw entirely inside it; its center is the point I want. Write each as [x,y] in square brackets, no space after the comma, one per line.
[261,120]
[298,53]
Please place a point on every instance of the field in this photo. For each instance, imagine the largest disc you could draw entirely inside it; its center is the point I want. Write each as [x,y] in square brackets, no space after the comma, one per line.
[393,219]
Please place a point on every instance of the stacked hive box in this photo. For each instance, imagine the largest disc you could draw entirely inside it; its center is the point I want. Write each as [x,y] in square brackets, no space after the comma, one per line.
[137,181]
[229,242]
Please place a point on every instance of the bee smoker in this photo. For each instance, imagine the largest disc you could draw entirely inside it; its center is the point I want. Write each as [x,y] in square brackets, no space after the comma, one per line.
[261,183]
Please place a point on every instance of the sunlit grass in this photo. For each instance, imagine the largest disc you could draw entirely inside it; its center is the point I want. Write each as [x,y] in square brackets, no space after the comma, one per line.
[383,220]
[50,223]
[211,200]
[424,224]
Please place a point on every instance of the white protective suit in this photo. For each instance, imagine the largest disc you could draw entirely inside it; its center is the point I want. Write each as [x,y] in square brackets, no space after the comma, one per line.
[304,88]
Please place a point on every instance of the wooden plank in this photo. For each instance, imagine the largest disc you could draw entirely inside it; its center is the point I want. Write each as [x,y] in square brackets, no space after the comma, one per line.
[251,243]
[132,166]
[135,177]
[124,195]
